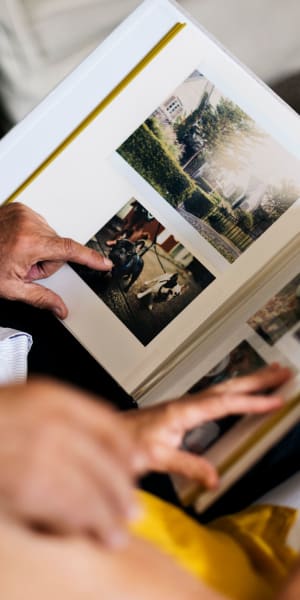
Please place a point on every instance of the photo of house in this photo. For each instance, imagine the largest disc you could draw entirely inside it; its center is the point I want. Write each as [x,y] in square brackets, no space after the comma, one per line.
[209,160]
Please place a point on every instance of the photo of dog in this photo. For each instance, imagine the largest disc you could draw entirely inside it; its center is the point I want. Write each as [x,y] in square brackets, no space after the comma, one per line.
[160,289]
[154,277]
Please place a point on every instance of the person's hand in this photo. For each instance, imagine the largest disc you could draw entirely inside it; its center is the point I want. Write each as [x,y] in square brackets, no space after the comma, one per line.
[66,463]
[30,250]
[158,431]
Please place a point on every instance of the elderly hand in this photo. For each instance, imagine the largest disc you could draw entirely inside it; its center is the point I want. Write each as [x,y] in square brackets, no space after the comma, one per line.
[29,250]
[159,431]
[66,463]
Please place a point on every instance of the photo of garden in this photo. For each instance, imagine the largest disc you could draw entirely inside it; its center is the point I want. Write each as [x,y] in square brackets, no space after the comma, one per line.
[208,159]
[280,313]
[154,277]
[242,360]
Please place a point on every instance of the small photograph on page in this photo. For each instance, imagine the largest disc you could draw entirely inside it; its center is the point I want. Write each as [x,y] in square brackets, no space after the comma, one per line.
[242,360]
[210,161]
[276,321]
[154,276]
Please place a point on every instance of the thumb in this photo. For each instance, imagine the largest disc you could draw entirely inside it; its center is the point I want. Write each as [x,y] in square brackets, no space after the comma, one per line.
[41,297]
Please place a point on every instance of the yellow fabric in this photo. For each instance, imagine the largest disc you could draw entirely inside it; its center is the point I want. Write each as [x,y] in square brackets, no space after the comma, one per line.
[243,556]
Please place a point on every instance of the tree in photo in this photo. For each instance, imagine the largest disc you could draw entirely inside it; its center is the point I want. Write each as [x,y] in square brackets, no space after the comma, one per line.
[279,198]
[217,130]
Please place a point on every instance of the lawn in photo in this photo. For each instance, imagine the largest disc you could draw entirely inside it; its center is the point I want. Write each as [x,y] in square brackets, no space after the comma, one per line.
[206,157]
[280,313]
[242,360]
[154,276]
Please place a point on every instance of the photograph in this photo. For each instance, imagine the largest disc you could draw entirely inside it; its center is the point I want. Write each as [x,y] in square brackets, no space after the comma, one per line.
[208,159]
[154,277]
[242,360]
[279,315]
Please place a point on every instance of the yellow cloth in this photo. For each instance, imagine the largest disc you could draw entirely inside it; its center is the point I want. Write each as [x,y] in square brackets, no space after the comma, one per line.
[243,556]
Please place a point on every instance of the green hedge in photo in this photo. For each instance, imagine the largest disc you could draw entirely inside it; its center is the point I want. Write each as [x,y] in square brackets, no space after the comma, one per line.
[144,152]
[197,202]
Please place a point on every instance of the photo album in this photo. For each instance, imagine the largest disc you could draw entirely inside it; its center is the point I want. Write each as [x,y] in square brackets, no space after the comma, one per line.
[164,153]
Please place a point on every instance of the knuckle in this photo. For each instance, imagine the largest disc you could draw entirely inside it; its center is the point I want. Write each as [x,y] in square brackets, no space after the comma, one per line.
[155,453]
[226,401]
[68,246]
[94,253]
[40,296]
[169,412]
[18,210]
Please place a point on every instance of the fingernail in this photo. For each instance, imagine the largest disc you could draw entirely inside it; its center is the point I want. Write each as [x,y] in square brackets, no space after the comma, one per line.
[107,263]
[59,313]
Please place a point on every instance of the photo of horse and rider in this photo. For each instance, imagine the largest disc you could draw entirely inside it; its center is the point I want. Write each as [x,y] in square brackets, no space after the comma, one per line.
[154,277]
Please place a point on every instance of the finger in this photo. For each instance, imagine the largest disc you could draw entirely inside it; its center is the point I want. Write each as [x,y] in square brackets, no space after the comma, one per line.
[191,413]
[98,419]
[110,473]
[64,463]
[267,378]
[42,270]
[184,463]
[67,502]
[67,250]
[86,414]
[42,297]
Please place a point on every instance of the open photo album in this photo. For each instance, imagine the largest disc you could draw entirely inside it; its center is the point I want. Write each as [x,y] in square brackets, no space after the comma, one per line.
[164,153]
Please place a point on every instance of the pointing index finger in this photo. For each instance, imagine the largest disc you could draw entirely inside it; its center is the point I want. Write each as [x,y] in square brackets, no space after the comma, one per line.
[68,250]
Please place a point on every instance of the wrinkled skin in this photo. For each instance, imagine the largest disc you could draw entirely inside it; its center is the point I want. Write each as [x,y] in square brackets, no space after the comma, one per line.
[31,250]
[67,465]
[158,431]
[44,461]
